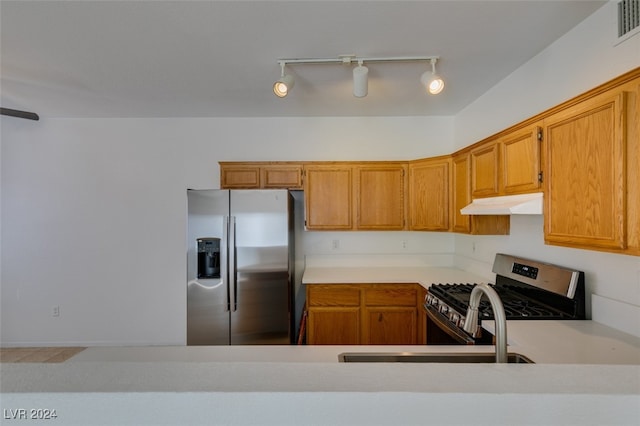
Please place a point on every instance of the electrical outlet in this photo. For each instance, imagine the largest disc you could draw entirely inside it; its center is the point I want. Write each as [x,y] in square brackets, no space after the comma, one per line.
[473,247]
[55,311]
[404,244]
[335,244]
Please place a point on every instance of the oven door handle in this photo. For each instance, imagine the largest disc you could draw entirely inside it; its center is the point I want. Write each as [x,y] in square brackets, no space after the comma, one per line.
[448,327]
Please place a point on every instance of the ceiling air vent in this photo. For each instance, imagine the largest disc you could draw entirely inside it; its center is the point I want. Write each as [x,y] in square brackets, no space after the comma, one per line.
[628,17]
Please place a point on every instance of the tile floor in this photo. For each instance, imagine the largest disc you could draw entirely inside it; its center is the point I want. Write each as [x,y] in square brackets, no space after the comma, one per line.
[38,354]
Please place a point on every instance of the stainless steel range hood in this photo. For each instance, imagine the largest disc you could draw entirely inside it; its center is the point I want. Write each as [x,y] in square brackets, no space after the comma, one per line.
[506,205]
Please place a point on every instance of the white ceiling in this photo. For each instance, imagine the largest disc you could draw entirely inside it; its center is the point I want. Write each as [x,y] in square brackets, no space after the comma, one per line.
[219,58]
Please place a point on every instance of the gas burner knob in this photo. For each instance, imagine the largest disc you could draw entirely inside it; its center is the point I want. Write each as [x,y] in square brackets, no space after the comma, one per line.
[444,309]
[454,317]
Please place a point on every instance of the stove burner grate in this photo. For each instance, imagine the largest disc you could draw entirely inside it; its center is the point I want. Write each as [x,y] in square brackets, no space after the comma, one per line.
[516,305]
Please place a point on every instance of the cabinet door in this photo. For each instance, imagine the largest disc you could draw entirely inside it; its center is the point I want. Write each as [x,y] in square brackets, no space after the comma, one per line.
[461,192]
[333,314]
[390,314]
[239,176]
[585,183]
[333,326]
[633,170]
[380,197]
[429,195]
[390,325]
[328,193]
[520,154]
[484,171]
[282,176]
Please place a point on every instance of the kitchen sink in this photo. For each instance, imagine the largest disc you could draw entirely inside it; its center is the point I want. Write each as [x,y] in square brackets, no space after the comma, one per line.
[458,357]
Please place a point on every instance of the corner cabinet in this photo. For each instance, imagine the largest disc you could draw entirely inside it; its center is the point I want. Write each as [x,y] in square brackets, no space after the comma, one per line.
[429,194]
[355,196]
[471,224]
[368,314]
[461,191]
[586,184]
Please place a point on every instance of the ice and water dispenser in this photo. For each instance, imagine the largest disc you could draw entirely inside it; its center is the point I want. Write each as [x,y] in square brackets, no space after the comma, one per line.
[208,258]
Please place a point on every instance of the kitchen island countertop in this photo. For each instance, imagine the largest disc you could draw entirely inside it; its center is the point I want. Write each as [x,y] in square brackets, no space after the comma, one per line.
[570,384]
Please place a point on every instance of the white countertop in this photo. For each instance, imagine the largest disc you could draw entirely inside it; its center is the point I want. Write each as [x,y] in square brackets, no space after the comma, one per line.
[421,269]
[574,379]
[424,276]
[570,342]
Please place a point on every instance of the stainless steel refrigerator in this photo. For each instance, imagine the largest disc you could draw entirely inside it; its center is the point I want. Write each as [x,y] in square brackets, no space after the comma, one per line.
[240,267]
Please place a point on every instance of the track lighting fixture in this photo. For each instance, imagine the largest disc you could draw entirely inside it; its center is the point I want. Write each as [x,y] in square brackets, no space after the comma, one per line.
[284,84]
[432,81]
[360,81]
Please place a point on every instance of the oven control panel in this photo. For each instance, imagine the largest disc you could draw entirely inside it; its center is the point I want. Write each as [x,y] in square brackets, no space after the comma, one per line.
[525,270]
[557,279]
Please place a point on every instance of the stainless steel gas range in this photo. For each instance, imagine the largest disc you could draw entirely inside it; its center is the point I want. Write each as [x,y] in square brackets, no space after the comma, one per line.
[529,290]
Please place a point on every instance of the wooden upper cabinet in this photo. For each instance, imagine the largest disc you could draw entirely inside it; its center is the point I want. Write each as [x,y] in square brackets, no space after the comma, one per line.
[239,176]
[355,196]
[507,165]
[429,194]
[484,170]
[284,176]
[520,160]
[633,169]
[380,201]
[257,175]
[585,173]
[461,192]
[328,195]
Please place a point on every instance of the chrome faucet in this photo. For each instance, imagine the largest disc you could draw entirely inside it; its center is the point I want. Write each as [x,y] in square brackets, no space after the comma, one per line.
[471,321]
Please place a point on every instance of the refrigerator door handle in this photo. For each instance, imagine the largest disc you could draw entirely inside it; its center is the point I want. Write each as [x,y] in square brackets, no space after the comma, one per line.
[233,266]
[227,251]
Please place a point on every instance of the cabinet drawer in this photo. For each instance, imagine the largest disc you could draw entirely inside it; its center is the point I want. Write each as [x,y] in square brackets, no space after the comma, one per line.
[333,295]
[391,295]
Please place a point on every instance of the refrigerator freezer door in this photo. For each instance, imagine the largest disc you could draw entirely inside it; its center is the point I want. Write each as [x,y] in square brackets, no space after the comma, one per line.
[208,313]
[262,281]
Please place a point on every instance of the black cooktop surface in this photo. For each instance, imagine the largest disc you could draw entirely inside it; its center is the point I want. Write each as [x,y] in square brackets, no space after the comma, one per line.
[516,304]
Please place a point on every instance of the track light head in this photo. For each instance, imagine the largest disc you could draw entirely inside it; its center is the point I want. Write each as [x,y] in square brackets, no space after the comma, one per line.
[360,81]
[432,81]
[284,84]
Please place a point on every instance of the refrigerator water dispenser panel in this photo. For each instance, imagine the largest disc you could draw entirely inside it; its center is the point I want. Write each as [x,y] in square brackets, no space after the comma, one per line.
[208,258]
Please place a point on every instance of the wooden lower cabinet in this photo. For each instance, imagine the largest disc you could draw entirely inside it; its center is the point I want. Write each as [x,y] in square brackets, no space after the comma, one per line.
[389,325]
[333,326]
[368,314]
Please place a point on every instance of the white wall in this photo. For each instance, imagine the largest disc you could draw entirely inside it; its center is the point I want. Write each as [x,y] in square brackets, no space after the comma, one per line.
[577,62]
[94,212]
[580,60]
